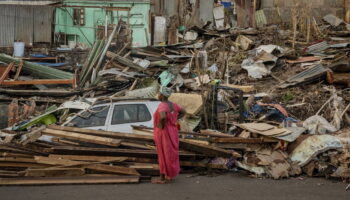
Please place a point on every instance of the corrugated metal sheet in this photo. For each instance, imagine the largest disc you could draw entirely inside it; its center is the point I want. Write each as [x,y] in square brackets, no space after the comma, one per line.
[260,18]
[31,2]
[42,23]
[24,24]
[7,29]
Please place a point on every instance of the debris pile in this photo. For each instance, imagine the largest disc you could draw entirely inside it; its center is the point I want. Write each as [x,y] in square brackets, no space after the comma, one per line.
[265,100]
[71,155]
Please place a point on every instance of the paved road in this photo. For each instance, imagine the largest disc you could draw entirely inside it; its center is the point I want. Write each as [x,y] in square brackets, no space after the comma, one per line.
[188,187]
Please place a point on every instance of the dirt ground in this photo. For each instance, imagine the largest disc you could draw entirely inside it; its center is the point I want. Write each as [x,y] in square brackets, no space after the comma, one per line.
[191,187]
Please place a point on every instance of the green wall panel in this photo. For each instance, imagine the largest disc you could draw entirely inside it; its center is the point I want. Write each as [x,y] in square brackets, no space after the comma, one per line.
[138,19]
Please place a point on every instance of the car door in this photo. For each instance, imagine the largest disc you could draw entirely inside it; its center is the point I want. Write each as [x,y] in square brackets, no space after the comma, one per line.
[96,118]
[126,114]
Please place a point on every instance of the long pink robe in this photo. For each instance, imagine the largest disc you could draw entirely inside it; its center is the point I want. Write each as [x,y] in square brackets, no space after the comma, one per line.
[167,140]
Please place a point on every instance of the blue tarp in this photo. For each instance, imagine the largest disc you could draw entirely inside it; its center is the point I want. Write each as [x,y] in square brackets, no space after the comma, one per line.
[51,64]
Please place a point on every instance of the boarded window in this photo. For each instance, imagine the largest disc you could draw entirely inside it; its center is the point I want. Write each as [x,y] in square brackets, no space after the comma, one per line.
[79,16]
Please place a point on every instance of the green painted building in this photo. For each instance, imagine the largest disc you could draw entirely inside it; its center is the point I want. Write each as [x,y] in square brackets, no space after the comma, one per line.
[84,21]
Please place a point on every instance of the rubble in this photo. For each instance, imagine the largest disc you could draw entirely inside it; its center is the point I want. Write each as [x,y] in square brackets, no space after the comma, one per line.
[271,100]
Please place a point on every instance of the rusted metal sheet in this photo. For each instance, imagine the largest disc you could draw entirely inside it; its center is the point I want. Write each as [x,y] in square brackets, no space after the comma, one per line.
[24,24]
[42,23]
[7,21]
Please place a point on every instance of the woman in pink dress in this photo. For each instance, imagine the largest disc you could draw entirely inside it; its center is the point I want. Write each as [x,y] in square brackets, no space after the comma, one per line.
[166,136]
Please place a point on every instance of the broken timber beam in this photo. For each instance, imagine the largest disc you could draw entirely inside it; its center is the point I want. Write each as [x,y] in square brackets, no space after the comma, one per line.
[51,93]
[40,82]
[244,140]
[125,61]
[87,165]
[69,180]
[103,133]
[54,172]
[114,152]
[89,158]
[207,150]
[6,72]
[82,137]
[338,78]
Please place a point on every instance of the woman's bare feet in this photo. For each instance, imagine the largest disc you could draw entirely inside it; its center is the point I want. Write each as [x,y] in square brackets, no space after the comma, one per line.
[169,179]
[161,180]
[158,181]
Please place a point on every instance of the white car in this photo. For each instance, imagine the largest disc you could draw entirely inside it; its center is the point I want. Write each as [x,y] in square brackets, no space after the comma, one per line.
[118,115]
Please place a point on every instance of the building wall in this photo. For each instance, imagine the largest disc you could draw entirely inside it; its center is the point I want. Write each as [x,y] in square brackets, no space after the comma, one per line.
[29,24]
[320,8]
[138,18]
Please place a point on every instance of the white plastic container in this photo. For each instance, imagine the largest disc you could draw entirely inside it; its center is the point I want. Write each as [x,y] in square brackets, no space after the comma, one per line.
[72,44]
[18,49]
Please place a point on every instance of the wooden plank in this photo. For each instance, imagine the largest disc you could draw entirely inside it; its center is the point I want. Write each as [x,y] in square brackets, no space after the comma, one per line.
[21,149]
[54,172]
[135,145]
[112,169]
[69,180]
[18,71]
[57,161]
[144,166]
[19,159]
[87,165]
[244,140]
[51,93]
[238,146]
[40,82]
[8,175]
[338,78]
[207,150]
[88,158]
[208,132]
[6,72]
[213,133]
[22,165]
[83,137]
[113,152]
[103,133]
[8,154]
[125,61]
[65,142]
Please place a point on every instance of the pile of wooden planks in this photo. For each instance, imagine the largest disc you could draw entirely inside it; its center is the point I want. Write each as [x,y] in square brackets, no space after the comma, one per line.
[69,155]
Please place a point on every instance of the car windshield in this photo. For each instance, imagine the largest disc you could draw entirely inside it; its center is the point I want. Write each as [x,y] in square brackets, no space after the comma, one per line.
[91,118]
